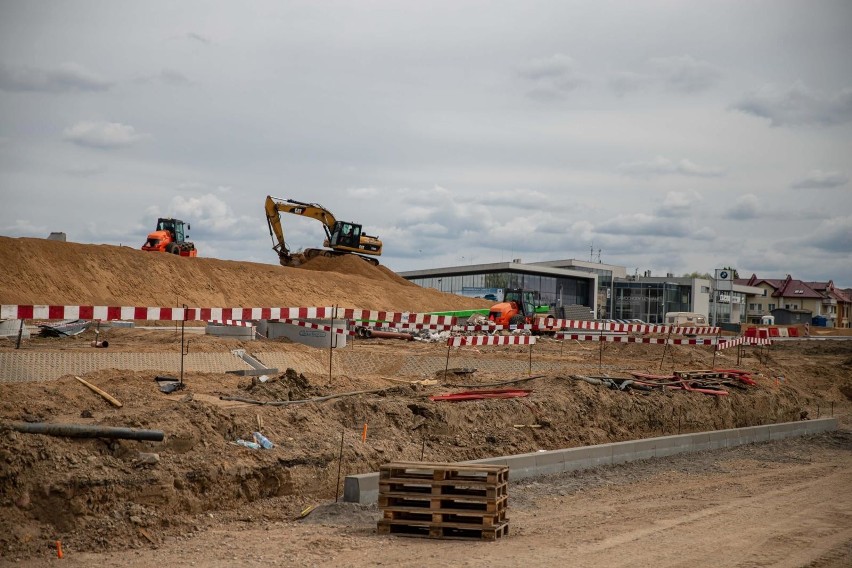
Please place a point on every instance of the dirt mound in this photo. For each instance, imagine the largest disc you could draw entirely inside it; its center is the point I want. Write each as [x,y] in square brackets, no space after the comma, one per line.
[38,271]
[355,266]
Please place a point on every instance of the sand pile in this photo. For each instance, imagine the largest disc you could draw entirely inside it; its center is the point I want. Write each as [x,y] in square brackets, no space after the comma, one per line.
[38,271]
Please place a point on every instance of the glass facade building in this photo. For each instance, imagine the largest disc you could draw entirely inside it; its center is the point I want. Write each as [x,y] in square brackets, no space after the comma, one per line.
[556,288]
[649,301]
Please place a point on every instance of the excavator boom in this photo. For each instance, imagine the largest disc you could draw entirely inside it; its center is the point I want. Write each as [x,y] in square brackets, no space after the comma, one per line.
[341,237]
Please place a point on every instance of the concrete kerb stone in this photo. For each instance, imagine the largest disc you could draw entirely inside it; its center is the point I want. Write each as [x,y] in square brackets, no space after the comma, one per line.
[364,488]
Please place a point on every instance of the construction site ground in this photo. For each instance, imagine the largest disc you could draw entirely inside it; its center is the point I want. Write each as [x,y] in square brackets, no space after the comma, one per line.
[209,502]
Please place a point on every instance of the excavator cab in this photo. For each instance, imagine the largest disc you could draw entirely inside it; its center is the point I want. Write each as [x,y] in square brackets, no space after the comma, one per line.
[345,234]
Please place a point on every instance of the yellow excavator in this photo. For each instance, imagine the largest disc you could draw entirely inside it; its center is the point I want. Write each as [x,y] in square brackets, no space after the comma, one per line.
[341,237]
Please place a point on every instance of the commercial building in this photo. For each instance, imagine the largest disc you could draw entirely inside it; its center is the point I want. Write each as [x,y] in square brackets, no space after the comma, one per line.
[604,290]
[568,292]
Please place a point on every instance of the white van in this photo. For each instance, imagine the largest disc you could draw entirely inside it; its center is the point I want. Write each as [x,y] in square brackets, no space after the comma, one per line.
[685,318]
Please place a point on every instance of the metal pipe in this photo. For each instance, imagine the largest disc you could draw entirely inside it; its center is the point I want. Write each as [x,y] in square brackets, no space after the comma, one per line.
[391,335]
[87,431]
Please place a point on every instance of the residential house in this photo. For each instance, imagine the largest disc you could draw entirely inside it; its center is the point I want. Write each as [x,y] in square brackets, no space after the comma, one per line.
[836,305]
[781,294]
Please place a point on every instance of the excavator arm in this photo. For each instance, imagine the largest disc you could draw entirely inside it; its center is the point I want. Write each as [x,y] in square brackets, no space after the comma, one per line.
[340,236]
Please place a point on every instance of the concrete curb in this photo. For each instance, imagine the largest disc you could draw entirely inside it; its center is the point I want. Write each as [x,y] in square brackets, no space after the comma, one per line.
[364,488]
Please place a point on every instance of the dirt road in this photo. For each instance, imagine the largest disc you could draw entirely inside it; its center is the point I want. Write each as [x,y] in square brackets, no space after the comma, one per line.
[786,503]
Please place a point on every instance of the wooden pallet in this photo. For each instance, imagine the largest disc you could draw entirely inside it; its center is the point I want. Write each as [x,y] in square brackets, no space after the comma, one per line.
[442,531]
[444,500]
[473,519]
[457,473]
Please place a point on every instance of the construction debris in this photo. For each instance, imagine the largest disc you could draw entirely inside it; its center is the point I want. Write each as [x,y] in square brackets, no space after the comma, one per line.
[108,397]
[66,328]
[87,431]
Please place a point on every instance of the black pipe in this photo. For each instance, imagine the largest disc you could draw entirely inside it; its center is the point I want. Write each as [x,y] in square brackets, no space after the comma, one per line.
[87,431]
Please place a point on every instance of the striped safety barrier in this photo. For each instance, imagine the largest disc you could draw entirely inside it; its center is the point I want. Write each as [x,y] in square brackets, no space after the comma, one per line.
[408,326]
[463,340]
[549,323]
[105,313]
[743,340]
[394,317]
[630,339]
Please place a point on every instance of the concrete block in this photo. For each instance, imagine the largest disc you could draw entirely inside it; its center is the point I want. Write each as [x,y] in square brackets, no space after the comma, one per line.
[521,466]
[10,328]
[363,488]
[644,449]
[668,446]
[621,452]
[311,337]
[231,331]
[716,440]
[820,425]
[574,459]
[601,455]
[700,441]
[550,462]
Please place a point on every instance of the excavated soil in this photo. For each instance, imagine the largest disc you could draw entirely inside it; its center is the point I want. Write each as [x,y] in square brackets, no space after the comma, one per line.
[50,272]
[99,495]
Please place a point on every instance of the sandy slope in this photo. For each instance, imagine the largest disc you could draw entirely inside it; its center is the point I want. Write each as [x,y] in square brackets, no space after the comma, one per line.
[50,272]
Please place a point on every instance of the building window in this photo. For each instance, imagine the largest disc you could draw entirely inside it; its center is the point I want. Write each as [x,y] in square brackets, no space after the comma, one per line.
[771,307]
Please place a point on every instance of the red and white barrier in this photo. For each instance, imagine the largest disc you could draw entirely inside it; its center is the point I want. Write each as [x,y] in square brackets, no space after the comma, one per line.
[407,326]
[463,340]
[549,323]
[394,317]
[743,340]
[629,339]
[105,313]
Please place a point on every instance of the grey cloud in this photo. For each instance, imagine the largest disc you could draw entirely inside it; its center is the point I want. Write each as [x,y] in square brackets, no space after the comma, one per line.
[198,37]
[625,82]
[833,235]
[68,77]
[516,199]
[643,224]
[172,77]
[678,203]
[797,105]
[102,135]
[85,171]
[684,73]
[818,179]
[664,166]
[746,207]
[552,77]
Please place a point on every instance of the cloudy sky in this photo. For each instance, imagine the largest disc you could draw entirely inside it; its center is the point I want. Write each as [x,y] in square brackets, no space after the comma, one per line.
[671,136]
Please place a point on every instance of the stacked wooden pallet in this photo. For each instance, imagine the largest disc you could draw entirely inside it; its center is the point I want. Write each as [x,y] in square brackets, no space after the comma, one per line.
[444,500]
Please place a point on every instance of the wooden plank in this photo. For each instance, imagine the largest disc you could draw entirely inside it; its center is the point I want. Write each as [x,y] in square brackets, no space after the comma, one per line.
[442,503]
[442,531]
[108,397]
[462,519]
[449,491]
